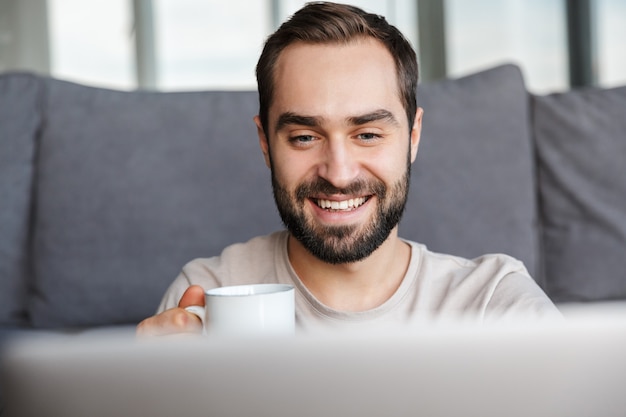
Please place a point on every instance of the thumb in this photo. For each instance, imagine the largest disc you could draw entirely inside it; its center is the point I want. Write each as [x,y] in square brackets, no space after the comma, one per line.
[193,296]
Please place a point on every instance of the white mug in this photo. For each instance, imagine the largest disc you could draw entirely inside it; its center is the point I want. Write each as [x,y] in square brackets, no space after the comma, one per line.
[248,310]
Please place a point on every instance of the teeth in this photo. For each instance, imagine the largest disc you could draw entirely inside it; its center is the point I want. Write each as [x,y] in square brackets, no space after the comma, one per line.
[341,205]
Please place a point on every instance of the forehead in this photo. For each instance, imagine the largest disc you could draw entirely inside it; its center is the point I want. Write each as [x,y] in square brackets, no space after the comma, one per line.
[335,80]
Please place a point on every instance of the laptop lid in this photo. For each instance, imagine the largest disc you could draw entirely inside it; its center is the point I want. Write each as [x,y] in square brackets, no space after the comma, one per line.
[573,369]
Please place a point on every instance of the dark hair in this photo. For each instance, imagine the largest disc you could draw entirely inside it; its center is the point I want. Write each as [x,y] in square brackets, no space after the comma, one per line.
[324,22]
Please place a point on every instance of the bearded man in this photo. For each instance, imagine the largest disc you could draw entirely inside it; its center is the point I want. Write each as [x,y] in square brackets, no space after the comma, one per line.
[339,128]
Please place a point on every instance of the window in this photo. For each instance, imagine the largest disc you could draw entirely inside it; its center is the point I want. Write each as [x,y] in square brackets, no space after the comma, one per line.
[91,42]
[610,32]
[529,33]
[208,44]
[215,44]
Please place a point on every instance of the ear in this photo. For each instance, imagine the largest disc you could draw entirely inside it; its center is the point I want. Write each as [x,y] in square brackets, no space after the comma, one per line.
[416,132]
[265,146]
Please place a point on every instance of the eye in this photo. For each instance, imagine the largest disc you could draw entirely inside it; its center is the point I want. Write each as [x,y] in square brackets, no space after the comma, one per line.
[368,136]
[301,140]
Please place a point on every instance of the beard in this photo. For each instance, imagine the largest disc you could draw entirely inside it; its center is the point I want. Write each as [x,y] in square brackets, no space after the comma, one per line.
[345,243]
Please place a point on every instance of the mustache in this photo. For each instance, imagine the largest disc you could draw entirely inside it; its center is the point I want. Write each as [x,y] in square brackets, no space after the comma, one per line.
[358,187]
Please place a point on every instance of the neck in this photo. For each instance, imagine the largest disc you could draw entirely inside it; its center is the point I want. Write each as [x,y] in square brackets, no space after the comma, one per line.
[356,286]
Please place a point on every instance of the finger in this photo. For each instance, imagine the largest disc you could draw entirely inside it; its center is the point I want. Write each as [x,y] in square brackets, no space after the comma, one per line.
[193,296]
[173,321]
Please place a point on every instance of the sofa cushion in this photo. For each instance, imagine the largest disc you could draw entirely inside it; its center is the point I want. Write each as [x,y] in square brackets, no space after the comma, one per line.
[132,186]
[472,188]
[19,121]
[581,143]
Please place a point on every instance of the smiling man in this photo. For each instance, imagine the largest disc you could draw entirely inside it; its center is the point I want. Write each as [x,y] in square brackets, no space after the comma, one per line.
[339,128]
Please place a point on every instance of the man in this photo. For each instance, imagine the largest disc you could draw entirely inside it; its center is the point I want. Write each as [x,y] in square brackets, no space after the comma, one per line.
[339,128]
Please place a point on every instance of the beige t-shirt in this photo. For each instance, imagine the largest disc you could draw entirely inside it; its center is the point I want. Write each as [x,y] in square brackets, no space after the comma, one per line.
[436,286]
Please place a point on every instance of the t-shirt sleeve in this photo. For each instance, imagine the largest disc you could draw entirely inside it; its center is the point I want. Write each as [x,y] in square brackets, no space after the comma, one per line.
[197,272]
[518,297]
[241,263]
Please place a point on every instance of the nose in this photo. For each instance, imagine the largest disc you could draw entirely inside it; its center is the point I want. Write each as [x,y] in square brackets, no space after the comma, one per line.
[338,164]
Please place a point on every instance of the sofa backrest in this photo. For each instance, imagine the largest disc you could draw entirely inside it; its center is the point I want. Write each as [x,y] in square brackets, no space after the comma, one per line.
[580,139]
[120,189]
[473,188]
[20,121]
[133,185]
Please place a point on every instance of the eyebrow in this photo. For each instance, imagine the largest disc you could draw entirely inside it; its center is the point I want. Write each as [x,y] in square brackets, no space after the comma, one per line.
[290,118]
[375,116]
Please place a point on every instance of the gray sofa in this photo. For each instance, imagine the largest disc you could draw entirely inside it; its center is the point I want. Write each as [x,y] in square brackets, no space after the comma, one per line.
[104,195]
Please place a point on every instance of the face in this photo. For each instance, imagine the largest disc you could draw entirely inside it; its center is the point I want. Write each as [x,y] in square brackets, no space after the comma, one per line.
[339,147]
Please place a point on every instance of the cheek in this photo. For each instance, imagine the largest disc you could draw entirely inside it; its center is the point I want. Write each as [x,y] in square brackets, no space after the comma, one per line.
[390,164]
[292,165]
[286,170]
[276,159]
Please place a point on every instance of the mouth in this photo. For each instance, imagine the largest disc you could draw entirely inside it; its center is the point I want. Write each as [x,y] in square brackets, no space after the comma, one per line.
[340,205]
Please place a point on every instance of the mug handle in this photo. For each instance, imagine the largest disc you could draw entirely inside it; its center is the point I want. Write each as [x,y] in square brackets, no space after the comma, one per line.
[200,312]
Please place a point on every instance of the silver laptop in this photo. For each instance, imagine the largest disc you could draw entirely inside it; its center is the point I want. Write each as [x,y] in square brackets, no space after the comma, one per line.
[570,370]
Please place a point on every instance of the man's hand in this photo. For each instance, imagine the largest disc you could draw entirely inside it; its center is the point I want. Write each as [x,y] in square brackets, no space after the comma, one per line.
[175,320]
